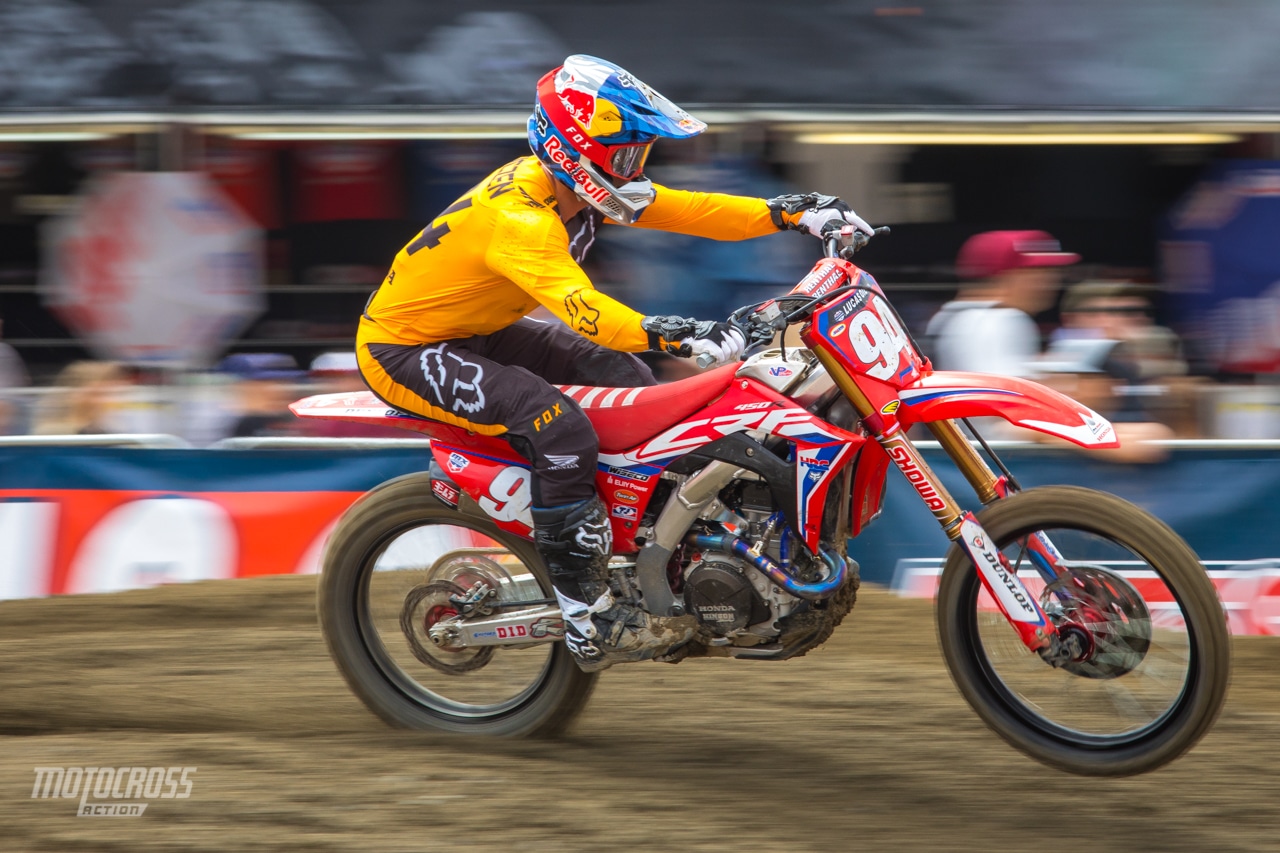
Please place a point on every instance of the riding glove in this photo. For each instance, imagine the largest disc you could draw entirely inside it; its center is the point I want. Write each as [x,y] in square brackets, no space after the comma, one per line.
[811,211]
[687,338]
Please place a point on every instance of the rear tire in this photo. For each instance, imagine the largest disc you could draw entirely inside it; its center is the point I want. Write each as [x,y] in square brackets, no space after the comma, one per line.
[373,661]
[1155,717]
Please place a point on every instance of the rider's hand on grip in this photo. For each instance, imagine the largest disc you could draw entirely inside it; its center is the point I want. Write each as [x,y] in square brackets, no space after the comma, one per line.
[817,221]
[762,326]
[812,212]
[709,341]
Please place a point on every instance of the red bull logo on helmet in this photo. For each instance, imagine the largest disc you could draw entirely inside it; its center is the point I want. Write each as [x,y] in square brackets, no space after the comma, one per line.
[579,104]
[555,150]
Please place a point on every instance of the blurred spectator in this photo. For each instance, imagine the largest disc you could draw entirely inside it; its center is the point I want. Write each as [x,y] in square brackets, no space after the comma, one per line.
[1010,276]
[13,375]
[1007,277]
[1116,316]
[82,400]
[1109,354]
[264,390]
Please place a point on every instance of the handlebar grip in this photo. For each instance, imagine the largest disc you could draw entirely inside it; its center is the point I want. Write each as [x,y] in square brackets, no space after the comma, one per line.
[705,360]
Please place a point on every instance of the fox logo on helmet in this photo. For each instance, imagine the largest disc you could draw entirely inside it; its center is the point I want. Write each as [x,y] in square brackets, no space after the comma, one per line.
[588,114]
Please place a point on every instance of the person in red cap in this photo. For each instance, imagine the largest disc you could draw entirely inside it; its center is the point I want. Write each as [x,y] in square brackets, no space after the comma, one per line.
[1007,277]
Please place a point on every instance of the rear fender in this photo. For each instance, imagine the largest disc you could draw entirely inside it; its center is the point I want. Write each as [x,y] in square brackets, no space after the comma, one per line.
[946,394]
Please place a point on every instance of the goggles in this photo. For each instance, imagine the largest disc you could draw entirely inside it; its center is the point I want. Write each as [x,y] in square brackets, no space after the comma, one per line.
[627,161]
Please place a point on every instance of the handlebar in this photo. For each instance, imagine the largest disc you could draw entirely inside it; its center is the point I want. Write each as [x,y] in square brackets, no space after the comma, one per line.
[840,240]
[749,335]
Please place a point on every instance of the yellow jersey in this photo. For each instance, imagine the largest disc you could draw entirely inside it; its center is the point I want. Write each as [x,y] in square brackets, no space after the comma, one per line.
[501,250]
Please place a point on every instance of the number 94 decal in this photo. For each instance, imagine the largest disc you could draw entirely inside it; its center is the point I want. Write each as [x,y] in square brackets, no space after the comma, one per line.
[877,339]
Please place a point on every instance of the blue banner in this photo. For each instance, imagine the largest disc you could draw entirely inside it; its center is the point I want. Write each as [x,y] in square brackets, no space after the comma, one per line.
[1222,501]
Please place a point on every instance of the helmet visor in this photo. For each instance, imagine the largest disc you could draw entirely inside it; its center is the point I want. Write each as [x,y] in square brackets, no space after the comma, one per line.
[627,161]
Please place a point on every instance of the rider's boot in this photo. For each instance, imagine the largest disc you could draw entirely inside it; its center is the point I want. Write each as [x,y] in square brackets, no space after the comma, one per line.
[604,622]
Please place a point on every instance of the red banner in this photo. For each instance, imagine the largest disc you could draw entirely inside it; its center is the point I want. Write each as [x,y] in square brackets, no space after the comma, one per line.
[75,541]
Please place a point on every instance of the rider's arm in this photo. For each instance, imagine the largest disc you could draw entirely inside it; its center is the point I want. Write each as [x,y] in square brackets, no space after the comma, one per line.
[714,215]
[531,250]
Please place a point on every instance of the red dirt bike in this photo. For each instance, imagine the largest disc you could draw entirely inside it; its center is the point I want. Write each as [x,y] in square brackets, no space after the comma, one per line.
[733,496]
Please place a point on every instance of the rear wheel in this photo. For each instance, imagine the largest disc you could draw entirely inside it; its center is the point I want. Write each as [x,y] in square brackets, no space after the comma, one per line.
[1151,649]
[392,570]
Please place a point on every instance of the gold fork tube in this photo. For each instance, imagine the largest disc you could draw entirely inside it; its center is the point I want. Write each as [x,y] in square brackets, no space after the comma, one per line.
[967,459]
[845,383]
[900,449]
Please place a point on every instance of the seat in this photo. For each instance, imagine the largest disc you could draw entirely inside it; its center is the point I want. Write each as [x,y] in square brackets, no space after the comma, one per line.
[625,417]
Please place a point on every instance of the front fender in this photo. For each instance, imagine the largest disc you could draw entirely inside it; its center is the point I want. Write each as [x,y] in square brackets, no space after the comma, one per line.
[943,395]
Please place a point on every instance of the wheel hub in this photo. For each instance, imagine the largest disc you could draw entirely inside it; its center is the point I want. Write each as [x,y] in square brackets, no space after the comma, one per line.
[1103,623]
[428,621]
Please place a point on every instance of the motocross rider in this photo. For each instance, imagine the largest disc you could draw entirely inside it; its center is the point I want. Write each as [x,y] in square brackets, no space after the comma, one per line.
[446,337]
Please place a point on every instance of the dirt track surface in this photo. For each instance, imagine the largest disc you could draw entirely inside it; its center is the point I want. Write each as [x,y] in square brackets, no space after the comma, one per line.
[861,745]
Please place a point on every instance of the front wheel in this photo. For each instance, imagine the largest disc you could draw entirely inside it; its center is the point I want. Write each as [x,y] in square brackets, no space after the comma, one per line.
[1152,648]
[393,569]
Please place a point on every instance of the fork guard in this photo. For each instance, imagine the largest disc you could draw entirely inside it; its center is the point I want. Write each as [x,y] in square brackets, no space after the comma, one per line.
[946,395]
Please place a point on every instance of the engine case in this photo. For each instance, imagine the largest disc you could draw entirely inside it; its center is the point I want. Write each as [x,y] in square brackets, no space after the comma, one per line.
[722,598]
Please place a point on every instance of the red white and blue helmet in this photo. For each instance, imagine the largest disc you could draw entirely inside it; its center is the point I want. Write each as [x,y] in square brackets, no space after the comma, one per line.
[592,126]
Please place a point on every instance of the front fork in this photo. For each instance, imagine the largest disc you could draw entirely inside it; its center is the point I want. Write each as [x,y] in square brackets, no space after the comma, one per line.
[1019,606]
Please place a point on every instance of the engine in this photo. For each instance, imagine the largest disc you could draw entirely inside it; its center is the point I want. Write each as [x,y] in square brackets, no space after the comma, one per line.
[733,601]
[719,594]
[741,612]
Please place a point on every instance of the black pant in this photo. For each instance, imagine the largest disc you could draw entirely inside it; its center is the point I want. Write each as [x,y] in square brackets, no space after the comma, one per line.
[501,384]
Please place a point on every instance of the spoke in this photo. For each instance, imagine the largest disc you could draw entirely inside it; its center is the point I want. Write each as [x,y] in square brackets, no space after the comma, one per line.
[1022,554]
[1164,673]
[1124,700]
[1131,679]
[409,590]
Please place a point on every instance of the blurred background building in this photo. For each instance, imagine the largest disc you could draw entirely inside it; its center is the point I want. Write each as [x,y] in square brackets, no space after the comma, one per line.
[326,133]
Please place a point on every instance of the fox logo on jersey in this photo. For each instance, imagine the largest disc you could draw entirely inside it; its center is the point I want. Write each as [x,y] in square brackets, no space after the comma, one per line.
[583,315]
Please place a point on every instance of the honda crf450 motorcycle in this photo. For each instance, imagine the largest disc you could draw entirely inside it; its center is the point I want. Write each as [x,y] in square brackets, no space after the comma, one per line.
[733,497]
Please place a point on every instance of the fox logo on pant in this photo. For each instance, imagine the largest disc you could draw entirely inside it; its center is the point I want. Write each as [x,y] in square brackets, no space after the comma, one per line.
[464,392]
[546,418]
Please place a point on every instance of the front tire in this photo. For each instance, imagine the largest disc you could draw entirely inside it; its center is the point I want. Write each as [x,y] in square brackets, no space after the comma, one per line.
[1158,676]
[398,545]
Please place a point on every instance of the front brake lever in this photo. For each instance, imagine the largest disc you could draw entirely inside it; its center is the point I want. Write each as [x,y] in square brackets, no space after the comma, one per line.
[845,241]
